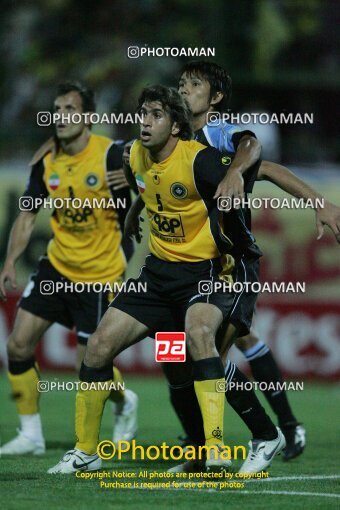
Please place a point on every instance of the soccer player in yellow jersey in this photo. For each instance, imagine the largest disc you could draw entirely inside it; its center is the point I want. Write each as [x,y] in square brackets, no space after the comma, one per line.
[206,86]
[86,247]
[177,178]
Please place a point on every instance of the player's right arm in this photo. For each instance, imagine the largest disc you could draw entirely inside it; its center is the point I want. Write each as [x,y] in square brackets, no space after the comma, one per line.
[210,166]
[131,227]
[247,154]
[18,240]
[22,228]
[127,169]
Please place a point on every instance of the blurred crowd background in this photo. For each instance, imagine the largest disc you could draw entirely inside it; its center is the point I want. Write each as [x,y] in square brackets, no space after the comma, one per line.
[282,56]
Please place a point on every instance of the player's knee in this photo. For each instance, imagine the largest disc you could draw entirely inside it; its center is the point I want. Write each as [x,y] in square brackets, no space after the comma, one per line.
[246,342]
[199,335]
[98,350]
[19,348]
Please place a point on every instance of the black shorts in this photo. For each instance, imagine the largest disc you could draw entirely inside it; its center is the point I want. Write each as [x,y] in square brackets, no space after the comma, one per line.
[82,310]
[170,289]
[241,315]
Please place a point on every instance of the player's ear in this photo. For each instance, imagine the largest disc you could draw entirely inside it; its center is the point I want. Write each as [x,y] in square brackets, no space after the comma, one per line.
[217,98]
[175,129]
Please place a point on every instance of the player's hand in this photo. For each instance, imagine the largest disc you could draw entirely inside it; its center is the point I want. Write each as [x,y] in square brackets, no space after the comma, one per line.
[231,186]
[8,274]
[126,153]
[116,178]
[132,227]
[328,215]
[49,146]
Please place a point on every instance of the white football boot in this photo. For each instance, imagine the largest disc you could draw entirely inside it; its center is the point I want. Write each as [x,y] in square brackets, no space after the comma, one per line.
[216,460]
[22,445]
[76,460]
[261,453]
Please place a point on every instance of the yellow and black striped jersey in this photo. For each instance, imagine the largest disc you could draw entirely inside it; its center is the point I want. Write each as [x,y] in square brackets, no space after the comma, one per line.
[185,224]
[86,243]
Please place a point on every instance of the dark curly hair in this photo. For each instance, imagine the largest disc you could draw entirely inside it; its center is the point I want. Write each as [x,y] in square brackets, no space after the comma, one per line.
[174,104]
[218,79]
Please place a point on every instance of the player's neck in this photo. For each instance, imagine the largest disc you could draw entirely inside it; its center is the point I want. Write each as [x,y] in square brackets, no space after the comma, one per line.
[160,154]
[76,145]
[199,121]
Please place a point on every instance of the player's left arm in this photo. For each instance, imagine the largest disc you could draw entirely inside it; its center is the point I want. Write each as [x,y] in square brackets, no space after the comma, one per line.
[120,195]
[247,154]
[289,182]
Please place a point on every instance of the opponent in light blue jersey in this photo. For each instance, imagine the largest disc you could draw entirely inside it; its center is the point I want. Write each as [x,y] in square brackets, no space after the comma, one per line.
[220,135]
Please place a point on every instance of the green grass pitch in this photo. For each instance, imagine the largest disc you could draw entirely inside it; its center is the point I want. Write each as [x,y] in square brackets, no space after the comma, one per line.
[311,481]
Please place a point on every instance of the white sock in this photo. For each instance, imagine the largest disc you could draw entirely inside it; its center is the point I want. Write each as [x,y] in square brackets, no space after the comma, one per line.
[123,405]
[117,407]
[30,425]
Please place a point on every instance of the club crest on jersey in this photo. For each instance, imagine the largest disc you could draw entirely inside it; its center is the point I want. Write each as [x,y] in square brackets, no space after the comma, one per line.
[217,433]
[54,181]
[91,180]
[140,183]
[226,160]
[178,190]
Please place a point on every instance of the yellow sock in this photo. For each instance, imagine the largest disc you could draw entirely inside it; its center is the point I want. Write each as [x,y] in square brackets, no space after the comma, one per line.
[117,394]
[25,391]
[89,410]
[211,403]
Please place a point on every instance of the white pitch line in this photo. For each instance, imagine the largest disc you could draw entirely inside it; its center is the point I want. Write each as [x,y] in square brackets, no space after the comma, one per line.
[293,493]
[240,492]
[292,478]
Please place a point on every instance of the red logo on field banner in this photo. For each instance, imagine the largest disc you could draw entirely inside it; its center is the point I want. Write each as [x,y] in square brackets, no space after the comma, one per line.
[170,346]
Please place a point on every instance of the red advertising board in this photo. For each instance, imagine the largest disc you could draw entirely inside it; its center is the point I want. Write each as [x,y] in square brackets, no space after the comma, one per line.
[304,337]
